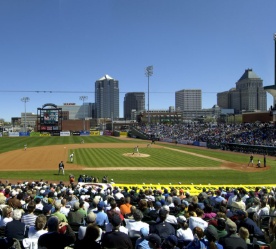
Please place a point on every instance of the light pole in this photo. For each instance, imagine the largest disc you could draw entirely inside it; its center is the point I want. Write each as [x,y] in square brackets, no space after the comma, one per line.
[148,73]
[83,98]
[25,100]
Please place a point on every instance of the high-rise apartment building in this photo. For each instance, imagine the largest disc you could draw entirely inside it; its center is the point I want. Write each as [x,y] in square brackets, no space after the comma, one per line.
[134,102]
[249,94]
[188,100]
[107,97]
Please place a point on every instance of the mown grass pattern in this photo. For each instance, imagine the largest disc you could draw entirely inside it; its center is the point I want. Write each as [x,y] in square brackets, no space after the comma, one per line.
[159,157]
[98,157]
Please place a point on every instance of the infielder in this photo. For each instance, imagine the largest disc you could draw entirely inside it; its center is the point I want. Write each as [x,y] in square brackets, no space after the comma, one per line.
[72,157]
[61,167]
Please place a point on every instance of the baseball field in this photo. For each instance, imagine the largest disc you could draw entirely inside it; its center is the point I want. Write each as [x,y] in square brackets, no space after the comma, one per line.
[160,163]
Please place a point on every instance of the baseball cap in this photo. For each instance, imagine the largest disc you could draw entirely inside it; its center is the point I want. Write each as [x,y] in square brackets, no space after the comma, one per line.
[166,207]
[101,204]
[47,208]
[181,219]
[211,232]
[158,204]
[240,212]
[154,238]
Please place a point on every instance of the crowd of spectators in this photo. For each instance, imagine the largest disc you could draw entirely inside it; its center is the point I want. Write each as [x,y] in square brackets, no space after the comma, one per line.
[48,215]
[262,134]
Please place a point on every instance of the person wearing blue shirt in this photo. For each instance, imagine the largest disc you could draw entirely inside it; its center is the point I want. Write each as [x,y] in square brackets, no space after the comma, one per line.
[102,218]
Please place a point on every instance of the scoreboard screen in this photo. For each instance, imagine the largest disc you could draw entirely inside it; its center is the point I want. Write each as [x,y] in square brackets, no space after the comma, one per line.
[49,117]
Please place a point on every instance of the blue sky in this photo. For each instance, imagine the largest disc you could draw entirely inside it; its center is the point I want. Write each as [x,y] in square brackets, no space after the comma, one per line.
[53,51]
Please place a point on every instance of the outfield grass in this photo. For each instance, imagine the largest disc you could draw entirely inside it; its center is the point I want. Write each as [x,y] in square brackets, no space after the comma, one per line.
[15,143]
[158,158]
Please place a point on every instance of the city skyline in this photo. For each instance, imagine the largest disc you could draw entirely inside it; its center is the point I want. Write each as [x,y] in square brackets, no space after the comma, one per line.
[53,52]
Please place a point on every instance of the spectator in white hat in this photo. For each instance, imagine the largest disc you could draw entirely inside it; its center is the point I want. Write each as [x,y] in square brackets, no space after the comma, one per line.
[184,232]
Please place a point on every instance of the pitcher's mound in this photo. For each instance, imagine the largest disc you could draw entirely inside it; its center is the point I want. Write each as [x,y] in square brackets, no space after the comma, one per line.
[136,155]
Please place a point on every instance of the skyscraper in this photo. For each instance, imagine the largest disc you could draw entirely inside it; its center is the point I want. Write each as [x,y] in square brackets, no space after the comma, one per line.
[133,101]
[249,94]
[188,100]
[107,97]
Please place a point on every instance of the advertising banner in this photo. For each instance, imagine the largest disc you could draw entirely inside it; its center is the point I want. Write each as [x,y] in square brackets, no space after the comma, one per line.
[108,133]
[195,189]
[45,134]
[85,133]
[24,134]
[75,133]
[13,134]
[56,134]
[94,133]
[65,133]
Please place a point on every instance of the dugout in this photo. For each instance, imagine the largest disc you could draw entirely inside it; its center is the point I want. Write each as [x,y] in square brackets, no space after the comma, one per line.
[245,148]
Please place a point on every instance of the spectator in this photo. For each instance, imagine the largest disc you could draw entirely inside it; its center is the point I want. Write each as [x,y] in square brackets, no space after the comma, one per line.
[153,214]
[212,238]
[142,243]
[198,242]
[254,208]
[90,219]
[162,228]
[6,216]
[170,243]
[61,217]
[134,226]
[13,201]
[65,209]
[197,221]
[74,216]
[47,210]
[38,204]
[154,241]
[143,206]
[244,234]
[38,229]
[248,223]
[264,210]
[208,212]
[125,207]
[184,232]
[15,228]
[221,225]
[29,218]
[115,238]
[232,240]
[131,214]
[90,238]
[58,236]
[2,201]
[102,218]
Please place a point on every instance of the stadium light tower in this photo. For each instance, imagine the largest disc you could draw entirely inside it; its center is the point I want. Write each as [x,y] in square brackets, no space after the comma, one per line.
[83,98]
[25,100]
[148,73]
